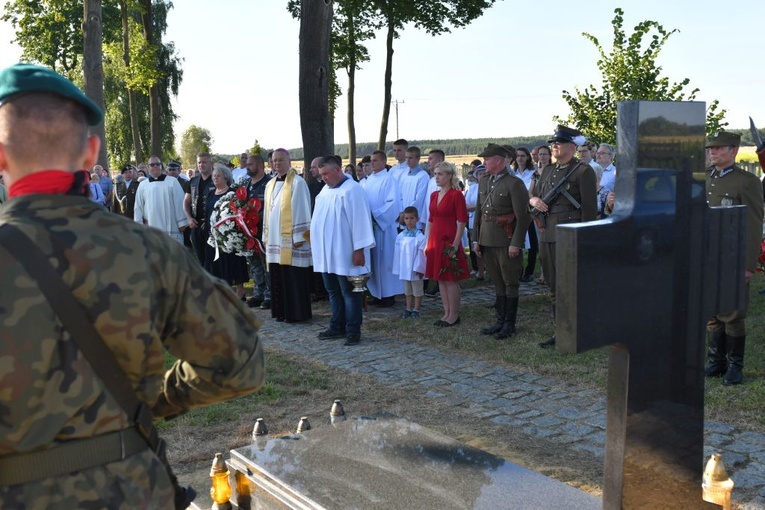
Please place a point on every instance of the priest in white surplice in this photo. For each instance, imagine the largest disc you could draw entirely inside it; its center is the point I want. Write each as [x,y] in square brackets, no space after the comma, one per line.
[384,199]
[341,237]
[286,220]
[159,202]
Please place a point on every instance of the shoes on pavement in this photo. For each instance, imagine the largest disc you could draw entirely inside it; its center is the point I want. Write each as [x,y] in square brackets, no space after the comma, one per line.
[254,302]
[330,334]
[266,304]
[352,339]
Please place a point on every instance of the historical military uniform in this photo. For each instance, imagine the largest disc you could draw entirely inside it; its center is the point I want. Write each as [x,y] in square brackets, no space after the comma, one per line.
[561,210]
[726,332]
[576,203]
[499,197]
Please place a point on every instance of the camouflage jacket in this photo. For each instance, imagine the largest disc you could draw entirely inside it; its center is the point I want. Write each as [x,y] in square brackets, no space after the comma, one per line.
[146,294]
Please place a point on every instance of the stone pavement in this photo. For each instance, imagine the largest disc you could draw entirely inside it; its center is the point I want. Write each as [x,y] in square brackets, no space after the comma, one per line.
[538,406]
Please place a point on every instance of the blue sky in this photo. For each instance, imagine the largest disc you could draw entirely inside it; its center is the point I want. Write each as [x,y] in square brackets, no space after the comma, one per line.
[501,76]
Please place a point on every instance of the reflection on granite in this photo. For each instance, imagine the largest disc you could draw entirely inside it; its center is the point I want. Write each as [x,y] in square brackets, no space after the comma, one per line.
[393,464]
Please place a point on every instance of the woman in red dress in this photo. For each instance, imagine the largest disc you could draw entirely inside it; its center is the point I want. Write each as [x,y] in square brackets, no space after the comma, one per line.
[445,255]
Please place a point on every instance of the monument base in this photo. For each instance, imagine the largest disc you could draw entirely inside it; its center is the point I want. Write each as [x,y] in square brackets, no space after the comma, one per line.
[388,463]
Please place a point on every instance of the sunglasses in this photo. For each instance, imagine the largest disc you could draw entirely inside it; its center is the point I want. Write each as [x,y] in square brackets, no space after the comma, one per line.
[155,164]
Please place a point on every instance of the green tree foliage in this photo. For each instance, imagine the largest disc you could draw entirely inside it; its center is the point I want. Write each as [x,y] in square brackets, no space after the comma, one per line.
[629,72]
[50,33]
[193,141]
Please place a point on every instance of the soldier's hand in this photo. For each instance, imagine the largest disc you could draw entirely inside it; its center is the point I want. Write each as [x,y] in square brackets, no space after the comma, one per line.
[513,252]
[538,204]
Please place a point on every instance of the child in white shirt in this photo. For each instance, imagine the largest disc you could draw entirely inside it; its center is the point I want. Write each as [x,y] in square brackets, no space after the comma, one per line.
[409,262]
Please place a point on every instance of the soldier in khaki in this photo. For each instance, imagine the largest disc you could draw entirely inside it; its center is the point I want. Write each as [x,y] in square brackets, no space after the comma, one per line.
[144,293]
[727,184]
[574,202]
[502,205]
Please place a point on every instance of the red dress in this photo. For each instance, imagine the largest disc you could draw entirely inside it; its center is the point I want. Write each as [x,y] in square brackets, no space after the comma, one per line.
[443,227]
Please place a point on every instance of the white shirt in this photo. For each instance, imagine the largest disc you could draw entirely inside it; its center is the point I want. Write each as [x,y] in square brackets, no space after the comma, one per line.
[160,204]
[381,190]
[414,192]
[341,224]
[238,174]
[301,221]
[609,177]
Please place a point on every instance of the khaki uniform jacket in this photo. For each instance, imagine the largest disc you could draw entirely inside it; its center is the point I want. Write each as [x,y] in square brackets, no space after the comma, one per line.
[146,294]
[507,195]
[739,187]
[581,185]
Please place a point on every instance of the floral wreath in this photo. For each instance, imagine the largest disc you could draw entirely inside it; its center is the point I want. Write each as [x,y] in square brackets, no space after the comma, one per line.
[234,223]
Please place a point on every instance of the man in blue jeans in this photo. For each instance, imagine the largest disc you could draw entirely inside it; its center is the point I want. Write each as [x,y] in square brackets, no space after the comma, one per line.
[341,249]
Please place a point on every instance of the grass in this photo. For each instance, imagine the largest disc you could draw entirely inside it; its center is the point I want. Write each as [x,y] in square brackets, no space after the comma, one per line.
[285,379]
[740,406]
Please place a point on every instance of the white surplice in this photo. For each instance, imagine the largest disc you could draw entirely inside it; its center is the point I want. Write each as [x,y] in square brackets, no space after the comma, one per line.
[341,224]
[160,204]
[301,219]
[414,187]
[384,199]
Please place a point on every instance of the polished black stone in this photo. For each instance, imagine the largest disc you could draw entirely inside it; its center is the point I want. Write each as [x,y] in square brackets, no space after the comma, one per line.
[389,463]
[644,282]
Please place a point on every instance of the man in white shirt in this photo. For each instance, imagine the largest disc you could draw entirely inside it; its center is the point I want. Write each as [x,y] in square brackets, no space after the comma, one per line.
[399,152]
[159,202]
[414,186]
[384,199]
[605,158]
[341,248]
[241,172]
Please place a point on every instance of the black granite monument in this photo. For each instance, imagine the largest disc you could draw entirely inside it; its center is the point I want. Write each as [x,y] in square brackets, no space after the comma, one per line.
[644,282]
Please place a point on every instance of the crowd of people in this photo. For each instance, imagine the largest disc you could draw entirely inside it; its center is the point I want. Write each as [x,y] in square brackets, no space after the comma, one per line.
[411,228]
[94,300]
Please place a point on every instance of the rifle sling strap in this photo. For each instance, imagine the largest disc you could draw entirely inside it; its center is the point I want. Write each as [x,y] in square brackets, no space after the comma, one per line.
[100,358]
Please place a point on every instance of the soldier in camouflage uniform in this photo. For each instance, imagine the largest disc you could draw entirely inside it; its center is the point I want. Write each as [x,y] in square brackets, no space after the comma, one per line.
[146,294]
[728,184]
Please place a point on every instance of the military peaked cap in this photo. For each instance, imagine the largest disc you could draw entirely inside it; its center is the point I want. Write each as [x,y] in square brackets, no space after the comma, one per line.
[724,139]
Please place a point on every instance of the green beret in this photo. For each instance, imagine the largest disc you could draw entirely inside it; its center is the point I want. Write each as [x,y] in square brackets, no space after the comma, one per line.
[724,139]
[494,150]
[23,78]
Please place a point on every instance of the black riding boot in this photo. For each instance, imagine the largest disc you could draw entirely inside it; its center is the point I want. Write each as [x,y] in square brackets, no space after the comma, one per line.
[508,326]
[716,361]
[501,305]
[735,346]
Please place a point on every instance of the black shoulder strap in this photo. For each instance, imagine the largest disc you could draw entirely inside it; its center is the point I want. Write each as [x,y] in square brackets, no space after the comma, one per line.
[76,321]
[79,325]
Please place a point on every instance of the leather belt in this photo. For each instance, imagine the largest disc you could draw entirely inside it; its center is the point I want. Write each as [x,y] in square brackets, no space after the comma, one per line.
[492,217]
[70,457]
[555,209]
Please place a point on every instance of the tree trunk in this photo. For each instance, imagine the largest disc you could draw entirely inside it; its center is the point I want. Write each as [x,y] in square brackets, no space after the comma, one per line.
[351,92]
[93,67]
[155,107]
[314,64]
[137,148]
[388,85]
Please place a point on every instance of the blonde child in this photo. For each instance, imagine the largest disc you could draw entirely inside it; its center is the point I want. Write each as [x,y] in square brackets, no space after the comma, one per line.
[409,262]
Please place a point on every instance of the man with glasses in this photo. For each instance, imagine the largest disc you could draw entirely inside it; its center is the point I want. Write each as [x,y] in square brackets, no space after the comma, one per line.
[576,202]
[605,158]
[159,202]
[585,154]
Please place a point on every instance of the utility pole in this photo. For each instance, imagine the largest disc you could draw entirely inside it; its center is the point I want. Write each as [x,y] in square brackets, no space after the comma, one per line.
[396,102]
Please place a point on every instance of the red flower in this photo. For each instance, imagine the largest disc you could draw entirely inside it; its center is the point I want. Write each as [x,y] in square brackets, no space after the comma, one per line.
[255,203]
[241,193]
[251,243]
